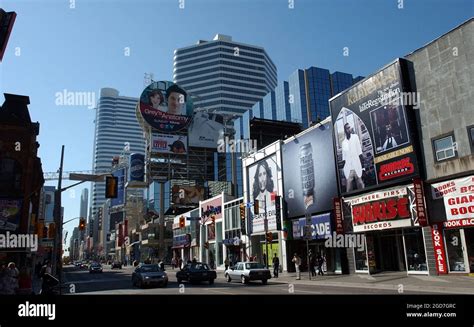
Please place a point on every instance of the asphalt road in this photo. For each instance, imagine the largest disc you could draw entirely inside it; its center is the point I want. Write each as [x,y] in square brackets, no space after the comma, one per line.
[118,281]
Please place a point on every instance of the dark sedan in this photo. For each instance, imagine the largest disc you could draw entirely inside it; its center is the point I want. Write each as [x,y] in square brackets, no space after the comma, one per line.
[116,264]
[147,275]
[196,272]
[95,267]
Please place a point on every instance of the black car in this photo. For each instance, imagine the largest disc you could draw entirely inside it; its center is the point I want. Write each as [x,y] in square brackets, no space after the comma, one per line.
[116,264]
[196,272]
[95,267]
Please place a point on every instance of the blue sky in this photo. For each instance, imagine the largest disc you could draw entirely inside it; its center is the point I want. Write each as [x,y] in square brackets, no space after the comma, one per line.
[54,47]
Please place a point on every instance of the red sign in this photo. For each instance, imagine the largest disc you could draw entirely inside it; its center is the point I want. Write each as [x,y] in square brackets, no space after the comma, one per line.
[459,223]
[380,210]
[440,255]
[396,169]
[120,235]
[338,215]
[420,202]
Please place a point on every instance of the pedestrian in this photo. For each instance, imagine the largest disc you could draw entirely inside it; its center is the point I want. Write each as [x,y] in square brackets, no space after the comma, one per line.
[173,262]
[320,265]
[226,263]
[312,263]
[297,261]
[265,262]
[276,266]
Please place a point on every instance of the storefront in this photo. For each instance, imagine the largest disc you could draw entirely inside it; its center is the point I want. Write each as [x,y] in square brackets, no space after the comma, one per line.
[387,227]
[457,227]
[185,236]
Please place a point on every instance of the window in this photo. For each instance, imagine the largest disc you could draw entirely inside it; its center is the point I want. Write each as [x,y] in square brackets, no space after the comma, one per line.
[470,135]
[445,148]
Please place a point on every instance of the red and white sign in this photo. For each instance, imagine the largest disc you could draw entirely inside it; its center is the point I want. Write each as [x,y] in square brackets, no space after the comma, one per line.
[458,197]
[438,244]
[420,202]
[211,210]
[391,208]
[338,215]
[459,223]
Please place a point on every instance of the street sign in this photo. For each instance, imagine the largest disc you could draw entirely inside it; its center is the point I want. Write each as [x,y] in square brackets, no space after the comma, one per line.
[249,204]
[193,218]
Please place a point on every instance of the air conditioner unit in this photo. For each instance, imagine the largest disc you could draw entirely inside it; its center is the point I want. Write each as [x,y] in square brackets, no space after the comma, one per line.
[455,146]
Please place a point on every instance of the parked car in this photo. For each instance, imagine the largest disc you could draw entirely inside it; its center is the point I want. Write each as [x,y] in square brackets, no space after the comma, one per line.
[248,271]
[116,264]
[95,267]
[149,274]
[196,272]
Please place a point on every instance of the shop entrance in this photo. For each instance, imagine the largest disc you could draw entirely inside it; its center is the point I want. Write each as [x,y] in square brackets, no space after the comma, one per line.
[388,251]
[469,238]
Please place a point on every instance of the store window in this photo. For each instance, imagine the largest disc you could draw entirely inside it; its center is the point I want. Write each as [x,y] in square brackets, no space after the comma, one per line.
[454,248]
[444,148]
[415,250]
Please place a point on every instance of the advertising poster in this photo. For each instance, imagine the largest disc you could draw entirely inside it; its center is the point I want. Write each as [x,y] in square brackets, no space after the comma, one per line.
[137,167]
[166,107]
[320,227]
[206,130]
[186,195]
[263,187]
[308,178]
[119,200]
[372,134]
[168,143]
[458,197]
[10,214]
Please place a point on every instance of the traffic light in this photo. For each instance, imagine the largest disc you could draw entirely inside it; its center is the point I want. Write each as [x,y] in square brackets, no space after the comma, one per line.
[182,222]
[82,224]
[111,187]
[51,230]
[255,207]
[269,236]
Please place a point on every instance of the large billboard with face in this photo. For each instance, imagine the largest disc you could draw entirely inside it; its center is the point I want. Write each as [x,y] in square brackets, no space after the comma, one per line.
[309,172]
[263,186]
[10,214]
[372,132]
[166,107]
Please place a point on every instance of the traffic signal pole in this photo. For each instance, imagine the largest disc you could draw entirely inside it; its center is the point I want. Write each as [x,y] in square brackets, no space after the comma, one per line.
[266,233]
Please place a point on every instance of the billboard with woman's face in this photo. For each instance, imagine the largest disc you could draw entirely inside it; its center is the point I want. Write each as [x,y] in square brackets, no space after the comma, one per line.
[166,107]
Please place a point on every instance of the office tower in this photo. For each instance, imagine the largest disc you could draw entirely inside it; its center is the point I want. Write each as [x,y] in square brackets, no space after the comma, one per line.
[225,76]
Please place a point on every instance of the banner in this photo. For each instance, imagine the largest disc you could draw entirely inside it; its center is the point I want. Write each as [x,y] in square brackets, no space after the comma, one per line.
[438,245]
[119,200]
[206,130]
[168,143]
[308,179]
[137,167]
[320,227]
[263,187]
[458,197]
[420,202]
[186,195]
[372,132]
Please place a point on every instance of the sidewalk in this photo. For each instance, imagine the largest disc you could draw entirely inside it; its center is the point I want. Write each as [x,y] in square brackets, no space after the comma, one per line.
[397,281]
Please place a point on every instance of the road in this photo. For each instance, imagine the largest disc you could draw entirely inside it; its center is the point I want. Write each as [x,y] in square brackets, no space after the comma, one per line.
[118,281]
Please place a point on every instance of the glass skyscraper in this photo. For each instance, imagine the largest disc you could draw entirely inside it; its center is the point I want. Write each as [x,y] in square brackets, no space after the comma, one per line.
[224,76]
[115,124]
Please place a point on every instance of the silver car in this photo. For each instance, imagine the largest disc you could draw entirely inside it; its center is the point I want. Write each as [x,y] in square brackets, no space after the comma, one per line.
[149,274]
[247,271]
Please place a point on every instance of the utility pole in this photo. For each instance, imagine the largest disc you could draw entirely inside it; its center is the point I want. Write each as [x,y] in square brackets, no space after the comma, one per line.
[57,254]
[266,232]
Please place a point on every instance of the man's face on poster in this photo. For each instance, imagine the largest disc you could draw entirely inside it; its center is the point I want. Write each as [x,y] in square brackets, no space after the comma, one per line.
[175,101]
[262,179]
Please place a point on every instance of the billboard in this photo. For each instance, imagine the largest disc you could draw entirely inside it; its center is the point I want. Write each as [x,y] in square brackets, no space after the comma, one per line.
[137,167]
[308,178]
[458,197]
[186,195]
[168,143]
[165,106]
[206,130]
[387,209]
[211,209]
[119,200]
[263,187]
[372,135]
[320,227]
[10,214]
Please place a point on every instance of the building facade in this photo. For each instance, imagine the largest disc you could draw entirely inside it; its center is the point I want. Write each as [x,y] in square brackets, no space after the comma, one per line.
[443,73]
